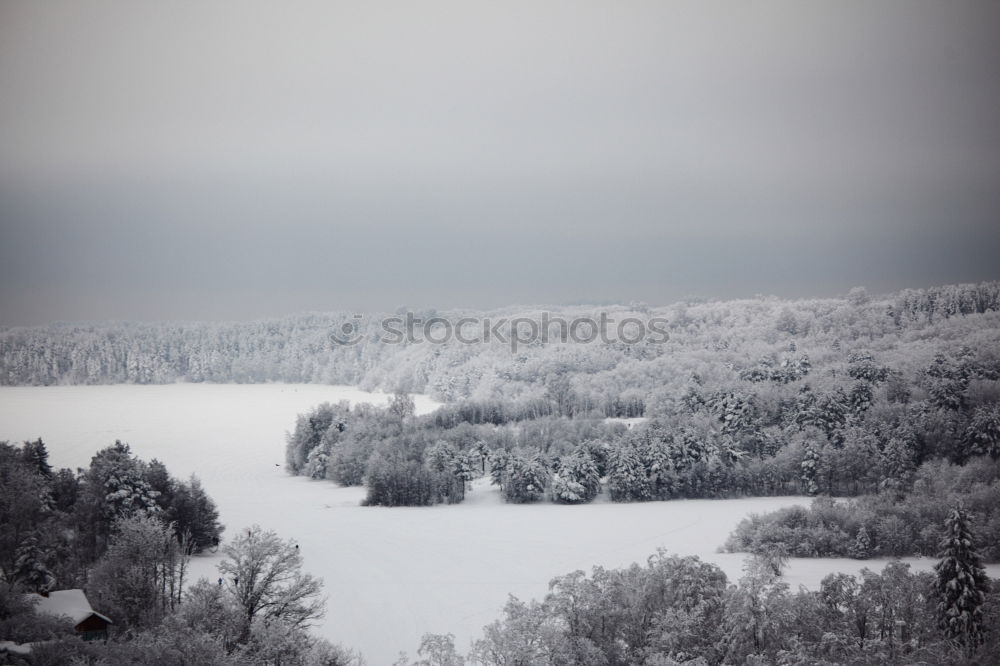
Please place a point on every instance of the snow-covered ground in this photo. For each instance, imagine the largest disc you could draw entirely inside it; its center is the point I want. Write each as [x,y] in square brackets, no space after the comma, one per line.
[390,574]
[629,423]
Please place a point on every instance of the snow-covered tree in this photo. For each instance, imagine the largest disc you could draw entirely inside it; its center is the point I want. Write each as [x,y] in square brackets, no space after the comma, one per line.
[309,431]
[264,575]
[440,456]
[465,465]
[348,458]
[524,635]
[498,461]
[524,479]
[194,516]
[435,650]
[127,493]
[896,465]
[810,470]
[577,480]
[401,405]
[961,583]
[862,547]
[113,488]
[627,478]
[317,461]
[37,457]
[862,366]
[982,437]
[141,576]
[30,569]
[756,613]
[24,506]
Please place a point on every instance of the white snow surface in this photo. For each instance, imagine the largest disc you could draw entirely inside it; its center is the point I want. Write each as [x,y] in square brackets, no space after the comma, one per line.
[391,574]
[14,648]
[629,422]
[71,603]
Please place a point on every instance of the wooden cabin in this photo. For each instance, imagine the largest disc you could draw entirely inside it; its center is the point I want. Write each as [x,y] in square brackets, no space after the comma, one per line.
[88,623]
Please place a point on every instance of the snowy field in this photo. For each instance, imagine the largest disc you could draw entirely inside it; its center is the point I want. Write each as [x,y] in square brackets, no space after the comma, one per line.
[390,574]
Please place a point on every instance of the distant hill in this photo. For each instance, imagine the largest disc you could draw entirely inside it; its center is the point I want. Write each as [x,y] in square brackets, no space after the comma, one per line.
[903,330]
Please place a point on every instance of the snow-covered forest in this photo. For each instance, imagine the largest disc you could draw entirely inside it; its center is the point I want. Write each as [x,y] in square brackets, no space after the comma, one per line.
[719,341]
[886,409]
[905,416]
[680,610]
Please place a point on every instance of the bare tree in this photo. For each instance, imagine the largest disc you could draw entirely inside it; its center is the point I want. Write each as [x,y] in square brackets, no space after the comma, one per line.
[264,574]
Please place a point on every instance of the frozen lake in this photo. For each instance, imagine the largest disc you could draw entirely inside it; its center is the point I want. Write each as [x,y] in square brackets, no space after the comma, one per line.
[390,574]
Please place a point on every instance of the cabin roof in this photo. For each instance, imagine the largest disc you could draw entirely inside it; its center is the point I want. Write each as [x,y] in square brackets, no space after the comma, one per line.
[71,603]
[14,648]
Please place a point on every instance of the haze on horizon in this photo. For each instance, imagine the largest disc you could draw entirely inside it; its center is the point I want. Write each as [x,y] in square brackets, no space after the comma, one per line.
[236,160]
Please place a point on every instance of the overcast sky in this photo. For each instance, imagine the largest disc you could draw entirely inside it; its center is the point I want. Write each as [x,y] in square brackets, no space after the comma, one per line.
[234,160]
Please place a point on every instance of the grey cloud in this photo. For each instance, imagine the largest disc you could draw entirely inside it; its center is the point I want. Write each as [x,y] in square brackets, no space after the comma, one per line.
[243,159]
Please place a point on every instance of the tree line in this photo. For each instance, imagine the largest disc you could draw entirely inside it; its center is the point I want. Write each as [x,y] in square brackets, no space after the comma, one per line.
[848,423]
[57,525]
[614,378]
[886,524]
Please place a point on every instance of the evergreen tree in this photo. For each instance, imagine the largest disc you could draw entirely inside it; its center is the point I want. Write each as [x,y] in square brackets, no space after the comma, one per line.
[309,431]
[440,456]
[37,457]
[465,465]
[194,517]
[660,456]
[159,480]
[113,488]
[24,506]
[65,488]
[983,434]
[810,465]
[577,480]
[860,399]
[862,548]
[480,449]
[30,569]
[524,479]
[498,461]
[961,583]
[896,466]
[627,479]
[127,493]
